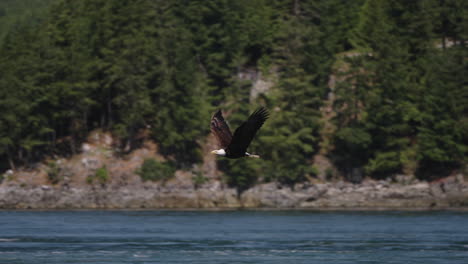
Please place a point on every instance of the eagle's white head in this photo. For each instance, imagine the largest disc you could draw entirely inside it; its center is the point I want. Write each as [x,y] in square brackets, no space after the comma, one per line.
[219,152]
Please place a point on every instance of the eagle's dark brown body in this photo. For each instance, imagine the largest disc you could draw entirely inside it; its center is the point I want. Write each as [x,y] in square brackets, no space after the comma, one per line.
[235,146]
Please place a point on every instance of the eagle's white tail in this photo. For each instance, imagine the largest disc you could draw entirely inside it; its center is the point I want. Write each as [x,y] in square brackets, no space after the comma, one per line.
[253,156]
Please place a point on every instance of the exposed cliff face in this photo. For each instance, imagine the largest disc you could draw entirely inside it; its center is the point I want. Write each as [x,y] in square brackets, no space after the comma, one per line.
[124,189]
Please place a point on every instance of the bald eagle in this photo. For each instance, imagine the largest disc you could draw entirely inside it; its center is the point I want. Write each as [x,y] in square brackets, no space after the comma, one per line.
[236,146]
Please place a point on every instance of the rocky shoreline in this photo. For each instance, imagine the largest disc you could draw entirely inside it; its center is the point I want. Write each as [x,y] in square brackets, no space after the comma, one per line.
[451,192]
[75,187]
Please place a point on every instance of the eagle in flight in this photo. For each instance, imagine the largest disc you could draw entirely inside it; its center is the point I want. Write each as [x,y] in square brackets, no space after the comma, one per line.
[235,146]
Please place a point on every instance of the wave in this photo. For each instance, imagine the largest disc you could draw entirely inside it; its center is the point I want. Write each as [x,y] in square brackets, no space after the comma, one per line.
[8,239]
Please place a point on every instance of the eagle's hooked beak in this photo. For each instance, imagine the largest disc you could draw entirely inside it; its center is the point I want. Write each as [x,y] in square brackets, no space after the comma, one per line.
[213,152]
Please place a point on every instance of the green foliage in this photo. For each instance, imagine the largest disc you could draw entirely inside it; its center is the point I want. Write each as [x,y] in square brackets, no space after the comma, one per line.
[399,94]
[241,173]
[26,11]
[329,174]
[100,176]
[198,179]
[53,172]
[153,170]
[394,91]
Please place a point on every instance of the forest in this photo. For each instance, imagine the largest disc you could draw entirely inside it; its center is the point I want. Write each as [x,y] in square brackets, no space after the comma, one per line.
[379,87]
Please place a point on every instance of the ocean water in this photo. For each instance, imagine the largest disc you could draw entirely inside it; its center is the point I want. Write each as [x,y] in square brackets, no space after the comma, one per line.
[232,237]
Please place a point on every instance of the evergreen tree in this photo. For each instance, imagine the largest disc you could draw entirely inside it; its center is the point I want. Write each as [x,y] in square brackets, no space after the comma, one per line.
[126,66]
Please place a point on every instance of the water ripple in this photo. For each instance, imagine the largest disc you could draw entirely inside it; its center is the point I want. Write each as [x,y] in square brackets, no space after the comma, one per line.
[233,237]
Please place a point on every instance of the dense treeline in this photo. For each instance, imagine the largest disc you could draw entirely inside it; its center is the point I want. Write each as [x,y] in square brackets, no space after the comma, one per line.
[13,12]
[400,99]
[403,106]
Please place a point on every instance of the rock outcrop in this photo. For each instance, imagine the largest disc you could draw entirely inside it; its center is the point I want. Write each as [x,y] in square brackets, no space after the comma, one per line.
[69,184]
[181,193]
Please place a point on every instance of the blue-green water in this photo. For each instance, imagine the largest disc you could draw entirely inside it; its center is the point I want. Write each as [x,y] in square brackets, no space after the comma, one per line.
[233,237]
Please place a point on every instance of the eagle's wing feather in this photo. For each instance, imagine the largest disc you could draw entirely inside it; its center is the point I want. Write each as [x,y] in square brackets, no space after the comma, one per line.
[246,132]
[220,129]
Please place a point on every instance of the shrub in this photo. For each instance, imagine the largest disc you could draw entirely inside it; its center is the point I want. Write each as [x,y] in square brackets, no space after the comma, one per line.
[153,170]
[101,175]
[53,172]
[241,173]
[329,173]
[198,179]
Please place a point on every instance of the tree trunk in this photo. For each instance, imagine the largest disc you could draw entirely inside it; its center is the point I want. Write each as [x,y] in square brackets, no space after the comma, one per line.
[20,154]
[109,113]
[72,144]
[296,7]
[85,121]
[10,159]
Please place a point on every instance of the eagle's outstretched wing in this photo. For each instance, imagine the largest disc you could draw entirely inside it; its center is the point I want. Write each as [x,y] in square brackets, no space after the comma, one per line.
[246,132]
[221,130]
